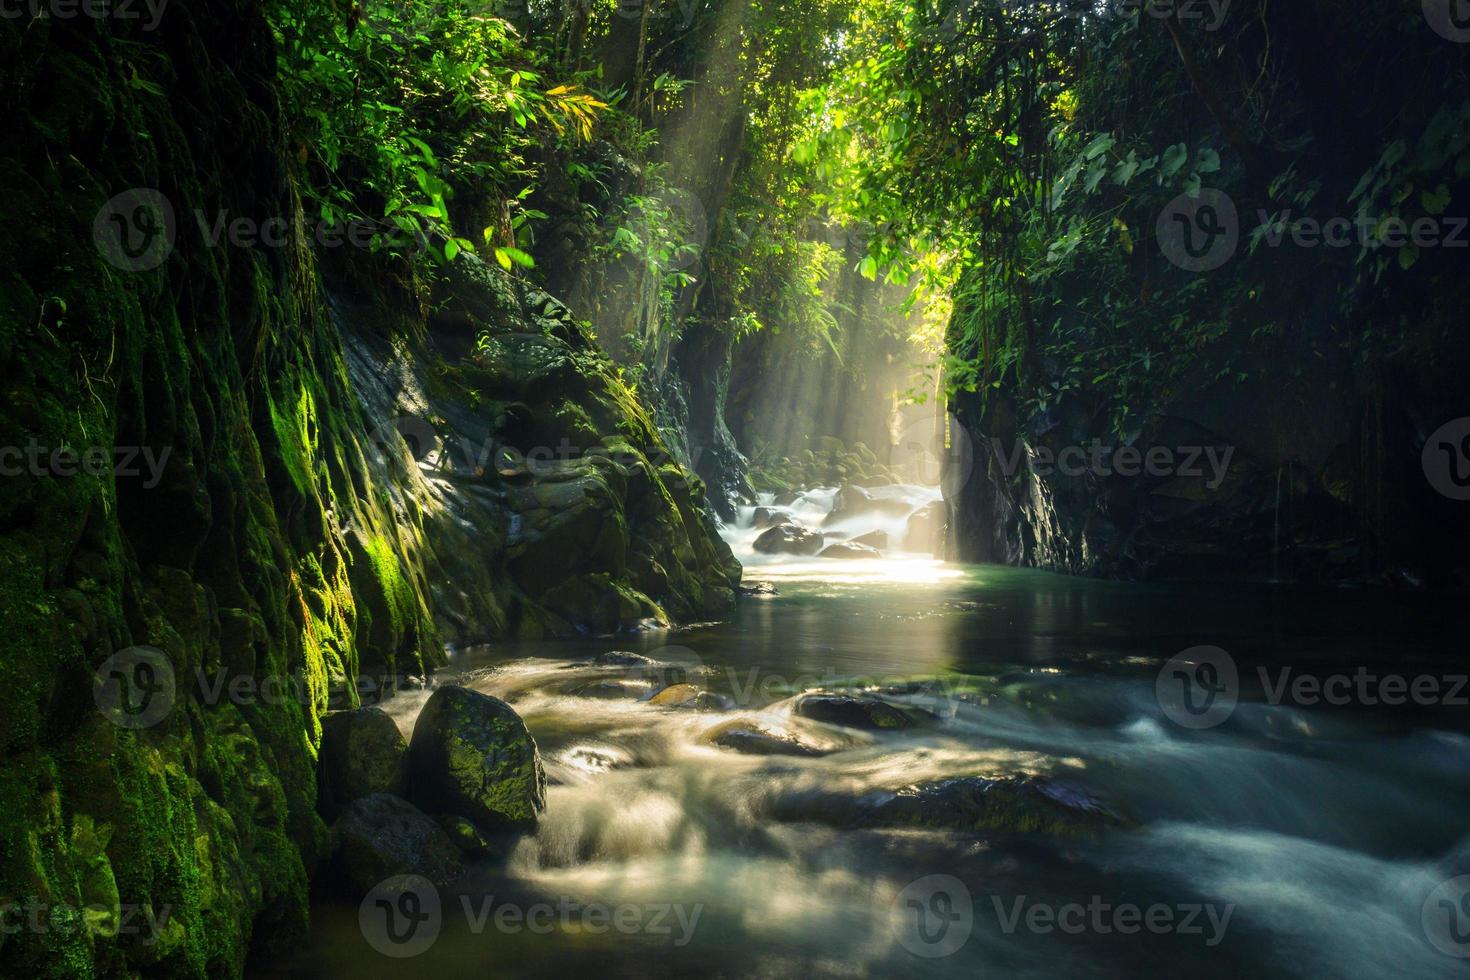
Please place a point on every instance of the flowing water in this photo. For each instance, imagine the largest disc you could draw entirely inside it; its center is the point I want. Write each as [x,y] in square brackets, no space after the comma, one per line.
[1290,840]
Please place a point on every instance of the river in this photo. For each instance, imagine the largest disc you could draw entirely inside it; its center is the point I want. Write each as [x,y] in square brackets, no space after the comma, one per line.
[1293,837]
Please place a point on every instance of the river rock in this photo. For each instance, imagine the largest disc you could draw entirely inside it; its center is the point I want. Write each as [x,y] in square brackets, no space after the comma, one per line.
[969,804]
[873,539]
[766,517]
[849,549]
[362,753]
[850,712]
[383,835]
[852,501]
[922,532]
[687,696]
[749,738]
[789,539]
[472,756]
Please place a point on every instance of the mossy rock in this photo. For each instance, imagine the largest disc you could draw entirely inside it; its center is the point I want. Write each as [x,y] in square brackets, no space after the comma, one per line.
[471,756]
[362,753]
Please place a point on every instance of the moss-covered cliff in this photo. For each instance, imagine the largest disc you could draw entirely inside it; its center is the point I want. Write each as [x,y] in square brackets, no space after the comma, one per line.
[246,518]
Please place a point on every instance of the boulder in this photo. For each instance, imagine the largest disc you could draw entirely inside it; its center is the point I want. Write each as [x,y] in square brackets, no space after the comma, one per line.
[850,712]
[787,498]
[383,835]
[873,539]
[362,753]
[765,517]
[789,539]
[471,756]
[922,532]
[852,501]
[849,549]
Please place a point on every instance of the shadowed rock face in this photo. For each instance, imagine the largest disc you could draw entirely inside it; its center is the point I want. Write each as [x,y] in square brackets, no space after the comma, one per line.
[471,756]
[383,835]
[363,753]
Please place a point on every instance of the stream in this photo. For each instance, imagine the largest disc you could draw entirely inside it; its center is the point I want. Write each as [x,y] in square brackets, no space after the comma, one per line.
[1293,838]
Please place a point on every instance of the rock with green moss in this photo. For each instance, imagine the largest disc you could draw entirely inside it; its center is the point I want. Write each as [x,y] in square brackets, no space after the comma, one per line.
[471,756]
[363,753]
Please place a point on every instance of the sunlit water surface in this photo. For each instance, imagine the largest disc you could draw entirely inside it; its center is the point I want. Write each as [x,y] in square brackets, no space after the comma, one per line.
[1320,832]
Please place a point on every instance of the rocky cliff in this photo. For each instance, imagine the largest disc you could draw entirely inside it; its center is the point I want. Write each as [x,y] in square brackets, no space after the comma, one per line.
[248,482]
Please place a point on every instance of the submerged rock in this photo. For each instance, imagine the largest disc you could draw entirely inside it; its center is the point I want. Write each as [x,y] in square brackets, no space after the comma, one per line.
[789,539]
[755,589]
[623,658]
[749,738]
[973,804]
[472,756]
[849,549]
[383,835]
[687,696]
[850,712]
[362,753]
